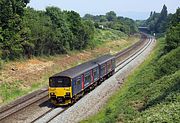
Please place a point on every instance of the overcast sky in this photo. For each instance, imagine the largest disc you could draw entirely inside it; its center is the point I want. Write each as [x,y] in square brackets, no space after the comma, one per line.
[136,9]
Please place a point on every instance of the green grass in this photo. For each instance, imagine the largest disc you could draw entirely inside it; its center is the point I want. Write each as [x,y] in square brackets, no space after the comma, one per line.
[105,35]
[150,94]
[10,91]
[102,36]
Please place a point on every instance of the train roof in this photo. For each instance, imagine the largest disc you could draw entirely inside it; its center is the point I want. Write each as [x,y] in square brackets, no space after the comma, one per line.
[80,69]
[104,59]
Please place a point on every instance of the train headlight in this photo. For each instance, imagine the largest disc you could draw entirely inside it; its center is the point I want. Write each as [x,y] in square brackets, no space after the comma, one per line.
[52,94]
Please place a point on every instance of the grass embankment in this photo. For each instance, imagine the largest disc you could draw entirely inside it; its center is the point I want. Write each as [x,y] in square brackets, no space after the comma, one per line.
[17,78]
[150,94]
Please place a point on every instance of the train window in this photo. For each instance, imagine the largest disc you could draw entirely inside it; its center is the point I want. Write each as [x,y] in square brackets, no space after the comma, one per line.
[103,70]
[113,63]
[109,66]
[87,78]
[78,82]
[59,82]
[95,74]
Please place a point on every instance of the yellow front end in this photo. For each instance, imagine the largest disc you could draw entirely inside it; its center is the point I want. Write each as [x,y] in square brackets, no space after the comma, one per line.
[60,96]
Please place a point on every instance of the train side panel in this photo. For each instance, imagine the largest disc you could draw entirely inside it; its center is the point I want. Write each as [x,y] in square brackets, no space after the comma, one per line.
[83,81]
[113,64]
[102,70]
[87,79]
[107,67]
[96,74]
[77,85]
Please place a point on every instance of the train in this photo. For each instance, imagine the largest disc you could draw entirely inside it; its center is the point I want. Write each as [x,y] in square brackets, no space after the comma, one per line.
[66,87]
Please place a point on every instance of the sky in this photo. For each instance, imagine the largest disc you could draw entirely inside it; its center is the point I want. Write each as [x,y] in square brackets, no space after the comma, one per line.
[135,9]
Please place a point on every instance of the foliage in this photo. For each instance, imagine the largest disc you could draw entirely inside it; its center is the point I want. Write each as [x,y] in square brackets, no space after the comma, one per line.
[102,36]
[27,32]
[83,31]
[175,18]
[173,33]
[168,63]
[107,35]
[11,27]
[111,16]
[158,22]
[111,20]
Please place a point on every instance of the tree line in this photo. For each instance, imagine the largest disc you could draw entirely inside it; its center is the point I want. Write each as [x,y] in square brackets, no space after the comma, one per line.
[111,20]
[173,32]
[25,32]
[164,24]
[158,22]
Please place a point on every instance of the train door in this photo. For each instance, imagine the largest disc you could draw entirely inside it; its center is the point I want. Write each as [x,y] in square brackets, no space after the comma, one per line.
[87,79]
[92,76]
[77,85]
[82,79]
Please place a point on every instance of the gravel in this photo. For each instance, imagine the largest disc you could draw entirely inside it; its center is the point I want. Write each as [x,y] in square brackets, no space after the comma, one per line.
[96,99]
[29,113]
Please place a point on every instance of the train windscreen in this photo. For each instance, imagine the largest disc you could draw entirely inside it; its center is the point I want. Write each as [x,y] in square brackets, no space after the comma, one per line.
[59,82]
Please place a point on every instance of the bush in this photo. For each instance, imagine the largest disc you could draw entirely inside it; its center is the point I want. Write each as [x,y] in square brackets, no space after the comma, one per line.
[169,63]
[1,64]
[173,38]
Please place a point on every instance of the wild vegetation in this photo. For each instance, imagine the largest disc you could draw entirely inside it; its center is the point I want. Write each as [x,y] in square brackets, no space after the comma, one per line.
[28,32]
[152,92]
[25,32]
[112,21]
[158,23]
[167,25]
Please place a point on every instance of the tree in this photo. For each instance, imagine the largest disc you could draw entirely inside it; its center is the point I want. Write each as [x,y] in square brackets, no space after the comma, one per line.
[173,38]
[111,16]
[162,20]
[88,32]
[11,13]
[164,13]
[76,26]
[63,34]
[175,18]
[173,33]
[88,17]
[157,22]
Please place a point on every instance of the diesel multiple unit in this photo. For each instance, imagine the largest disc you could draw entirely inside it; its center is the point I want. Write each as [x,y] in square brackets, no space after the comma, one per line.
[68,86]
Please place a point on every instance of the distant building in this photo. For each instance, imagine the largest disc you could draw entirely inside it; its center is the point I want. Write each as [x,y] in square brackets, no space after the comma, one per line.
[101,26]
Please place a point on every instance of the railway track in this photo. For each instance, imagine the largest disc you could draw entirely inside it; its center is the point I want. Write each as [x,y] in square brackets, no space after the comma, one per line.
[8,110]
[48,117]
[123,63]
[22,103]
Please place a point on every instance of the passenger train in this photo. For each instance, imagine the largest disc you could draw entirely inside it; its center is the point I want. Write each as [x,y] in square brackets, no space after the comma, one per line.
[68,86]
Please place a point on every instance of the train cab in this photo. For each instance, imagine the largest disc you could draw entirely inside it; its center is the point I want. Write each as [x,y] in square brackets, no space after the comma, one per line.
[60,90]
